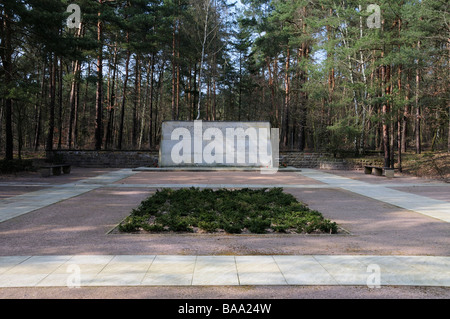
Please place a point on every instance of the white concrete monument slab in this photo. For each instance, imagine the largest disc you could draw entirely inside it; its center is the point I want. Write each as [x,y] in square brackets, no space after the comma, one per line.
[218,144]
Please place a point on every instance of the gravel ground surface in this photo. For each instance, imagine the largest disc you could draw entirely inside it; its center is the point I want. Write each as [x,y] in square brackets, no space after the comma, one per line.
[229,292]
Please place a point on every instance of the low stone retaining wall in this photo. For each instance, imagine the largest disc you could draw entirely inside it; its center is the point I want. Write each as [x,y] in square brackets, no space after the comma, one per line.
[113,159]
[311,160]
[134,159]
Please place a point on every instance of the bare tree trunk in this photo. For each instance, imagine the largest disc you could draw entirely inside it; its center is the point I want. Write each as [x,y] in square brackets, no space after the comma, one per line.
[189,96]
[331,73]
[365,96]
[124,97]
[406,111]
[286,99]
[6,55]
[352,81]
[195,91]
[99,94]
[214,101]
[51,119]
[385,114]
[304,55]
[72,104]
[177,102]
[174,111]
[37,130]
[205,37]
[60,103]
[240,87]
[208,97]
[112,102]
[275,117]
[417,119]
[303,99]
[144,107]
[137,101]
[77,107]
[399,121]
[159,103]
[150,129]
[73,100]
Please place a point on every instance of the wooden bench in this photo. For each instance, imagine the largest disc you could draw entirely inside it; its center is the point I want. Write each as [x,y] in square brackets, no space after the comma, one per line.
[388,172]
[55,169]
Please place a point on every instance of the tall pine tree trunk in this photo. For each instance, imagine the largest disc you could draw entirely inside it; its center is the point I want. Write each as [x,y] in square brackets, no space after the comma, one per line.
[174,66]
[38,118]
[417,119]
[99,93]
[124,97]
[74,98]
[150,129]
[112,102]
[385,107]
[303,54]
[385,114]
[399,120]
[51,109]
[137,101]
[406,111]
[286,100]
[6,54]
[60,103]
[144,106]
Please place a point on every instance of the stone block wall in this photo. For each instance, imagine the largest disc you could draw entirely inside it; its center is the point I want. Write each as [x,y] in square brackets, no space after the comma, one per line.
[311,160]
[110,159]
[134,159]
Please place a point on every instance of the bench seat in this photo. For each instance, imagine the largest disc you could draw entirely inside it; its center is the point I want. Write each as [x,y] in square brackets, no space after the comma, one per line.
[56,169]
[378,171]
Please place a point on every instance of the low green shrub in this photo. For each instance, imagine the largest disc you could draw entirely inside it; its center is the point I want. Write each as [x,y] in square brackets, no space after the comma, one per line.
[233,211]
[258,225]
[153,228]
[208,226]
[233,228]
[128,227]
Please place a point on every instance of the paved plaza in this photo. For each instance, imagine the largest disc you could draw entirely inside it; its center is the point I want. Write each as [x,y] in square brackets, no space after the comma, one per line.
[59,232]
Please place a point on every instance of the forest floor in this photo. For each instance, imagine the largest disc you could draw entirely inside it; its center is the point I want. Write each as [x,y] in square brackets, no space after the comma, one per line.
[428,165]
[434,165]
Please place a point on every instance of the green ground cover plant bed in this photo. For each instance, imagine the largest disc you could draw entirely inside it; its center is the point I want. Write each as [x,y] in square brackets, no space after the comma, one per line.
[232,211]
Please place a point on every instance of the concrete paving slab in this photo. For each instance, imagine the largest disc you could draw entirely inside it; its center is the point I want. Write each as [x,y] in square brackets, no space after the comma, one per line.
[346,270]
[20,280]
[423,205]
[123,271]
[170,270]
[7,262]
[139,270]
[259,270]
[303,270]
[215,270]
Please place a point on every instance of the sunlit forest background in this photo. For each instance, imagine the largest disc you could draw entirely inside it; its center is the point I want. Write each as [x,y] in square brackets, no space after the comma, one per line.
[317,70]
